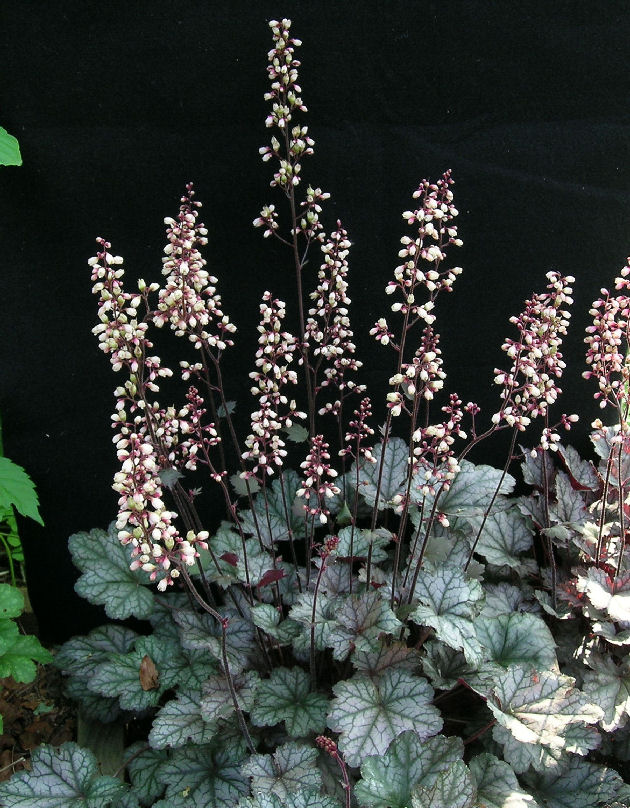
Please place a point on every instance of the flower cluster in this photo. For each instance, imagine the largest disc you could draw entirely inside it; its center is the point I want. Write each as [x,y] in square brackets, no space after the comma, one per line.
[276,349]
[423,377]
[147,436]
[434,463]
[189,300]
[317,486]
[328,326]
[531,386]
[435,232]
[285,99]
[608,339]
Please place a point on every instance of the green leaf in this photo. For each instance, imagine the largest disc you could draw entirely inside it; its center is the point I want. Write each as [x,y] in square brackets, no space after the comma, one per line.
[16,487]
[503,598]
[143,769]
[497,786]
[270,511]
[505,535]
[217,702]
[453,788]
[447,604]
[11,601]
[203,776]
[517,639]
[180,721]
[92,705]
[609,686]
[579,785]
[61,778]
[538,706]
[393,476]
[365,615]
[19,652]
[388,780]
[285,697]
[106,579]
[369,713]
[9,149]
[297,433]
[292,767]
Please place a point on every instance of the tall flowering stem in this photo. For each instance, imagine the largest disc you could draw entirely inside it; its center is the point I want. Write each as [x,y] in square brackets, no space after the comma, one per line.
[291,145]
[147,435]
[359,431]
[422,271]
[608,341]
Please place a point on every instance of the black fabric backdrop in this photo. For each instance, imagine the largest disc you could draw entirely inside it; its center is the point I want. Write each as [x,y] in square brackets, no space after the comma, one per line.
[117,106]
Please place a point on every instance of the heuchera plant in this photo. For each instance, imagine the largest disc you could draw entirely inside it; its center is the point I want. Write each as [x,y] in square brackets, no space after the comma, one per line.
[387,626]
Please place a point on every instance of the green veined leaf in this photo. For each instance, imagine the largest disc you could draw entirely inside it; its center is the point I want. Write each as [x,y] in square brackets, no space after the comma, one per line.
[119,675]
[270,511]
[80,656]
[143,767]
[267,617]
[202,776]
[292,767]
[9,149]
[444,666]
[537,706]
[453,788]
[369,713]
[286,696]
[362,540]
[217,701]
[388,780]
[517,639]
[304,798]
[106,579]
[579,785]
[505,536]
[447,604]
[472,490]
[61,778]
[497,786]
[609,686]
[577,738]
[606,593]
[377,656]
[366,615]
[393,476]
[180,721]
[17,488]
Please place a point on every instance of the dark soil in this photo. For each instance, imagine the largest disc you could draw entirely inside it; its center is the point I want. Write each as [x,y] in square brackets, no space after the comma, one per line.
[34,713]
